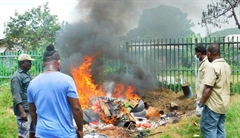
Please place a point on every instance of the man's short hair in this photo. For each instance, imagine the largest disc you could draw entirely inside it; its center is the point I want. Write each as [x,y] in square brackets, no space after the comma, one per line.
[202,49]
[214,49]
[50,54]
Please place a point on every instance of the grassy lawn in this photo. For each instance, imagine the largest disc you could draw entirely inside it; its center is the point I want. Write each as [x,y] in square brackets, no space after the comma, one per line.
[184,129]
[8,124]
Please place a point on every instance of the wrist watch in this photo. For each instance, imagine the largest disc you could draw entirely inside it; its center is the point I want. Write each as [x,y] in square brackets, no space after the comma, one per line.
[200,105]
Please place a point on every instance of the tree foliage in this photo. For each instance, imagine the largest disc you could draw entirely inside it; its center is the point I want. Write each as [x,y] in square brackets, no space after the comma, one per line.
[33,29]
[162,22]
[220,12]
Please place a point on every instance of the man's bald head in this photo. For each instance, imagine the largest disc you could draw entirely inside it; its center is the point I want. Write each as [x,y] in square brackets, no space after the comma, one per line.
[213,52]
[214,49]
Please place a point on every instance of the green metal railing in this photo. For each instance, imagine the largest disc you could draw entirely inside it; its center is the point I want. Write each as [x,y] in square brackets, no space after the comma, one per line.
[9,64]
[170,61]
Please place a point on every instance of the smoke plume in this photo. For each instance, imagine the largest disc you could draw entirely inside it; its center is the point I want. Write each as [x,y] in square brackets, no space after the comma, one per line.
[97,27]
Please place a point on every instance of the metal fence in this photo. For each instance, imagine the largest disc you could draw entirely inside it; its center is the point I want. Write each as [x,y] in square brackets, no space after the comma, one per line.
[170,61]
[9,64]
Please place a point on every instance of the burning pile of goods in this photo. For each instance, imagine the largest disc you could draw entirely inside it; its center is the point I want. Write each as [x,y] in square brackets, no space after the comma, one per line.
[127,116]
[119,112]
[114,106]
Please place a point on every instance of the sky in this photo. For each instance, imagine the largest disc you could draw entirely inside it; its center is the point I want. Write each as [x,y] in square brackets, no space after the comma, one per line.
[62,8]
[65,9]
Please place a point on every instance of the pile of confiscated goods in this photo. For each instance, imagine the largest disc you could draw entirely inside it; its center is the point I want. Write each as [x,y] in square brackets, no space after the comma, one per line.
[115,117]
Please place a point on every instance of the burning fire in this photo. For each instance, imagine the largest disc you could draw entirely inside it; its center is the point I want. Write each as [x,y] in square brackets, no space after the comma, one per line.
[87,89]
[108,120]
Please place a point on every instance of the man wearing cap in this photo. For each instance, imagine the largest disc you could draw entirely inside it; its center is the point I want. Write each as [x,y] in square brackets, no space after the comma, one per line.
[19,84]
[201,55]
[53,101]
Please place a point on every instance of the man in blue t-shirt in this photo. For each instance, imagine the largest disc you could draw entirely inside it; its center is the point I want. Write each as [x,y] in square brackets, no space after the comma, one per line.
[53,101]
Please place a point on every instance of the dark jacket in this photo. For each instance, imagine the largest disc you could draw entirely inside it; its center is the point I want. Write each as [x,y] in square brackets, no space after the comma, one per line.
[19,84]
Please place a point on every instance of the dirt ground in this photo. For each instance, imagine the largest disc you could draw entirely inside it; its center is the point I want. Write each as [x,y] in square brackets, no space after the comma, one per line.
[162,99]
[159,99]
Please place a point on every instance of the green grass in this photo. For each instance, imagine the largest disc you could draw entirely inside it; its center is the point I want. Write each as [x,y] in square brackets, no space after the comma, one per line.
[233,118]
[8,124]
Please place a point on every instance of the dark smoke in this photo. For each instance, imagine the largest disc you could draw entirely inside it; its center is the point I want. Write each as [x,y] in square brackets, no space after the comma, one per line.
[104,21]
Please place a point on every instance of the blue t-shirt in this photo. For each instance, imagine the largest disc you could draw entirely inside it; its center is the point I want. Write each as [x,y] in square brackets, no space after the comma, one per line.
[49,92]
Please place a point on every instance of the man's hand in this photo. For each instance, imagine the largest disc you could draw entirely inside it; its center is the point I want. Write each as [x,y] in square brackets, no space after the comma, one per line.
[23,116]
[80,133]
[198,109]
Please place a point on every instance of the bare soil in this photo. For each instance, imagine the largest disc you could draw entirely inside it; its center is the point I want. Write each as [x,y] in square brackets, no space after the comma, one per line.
[162,99]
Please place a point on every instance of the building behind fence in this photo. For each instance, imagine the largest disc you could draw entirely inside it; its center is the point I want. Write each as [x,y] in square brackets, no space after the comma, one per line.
[170,61]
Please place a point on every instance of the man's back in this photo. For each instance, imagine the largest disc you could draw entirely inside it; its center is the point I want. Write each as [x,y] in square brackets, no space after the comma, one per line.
[49,92]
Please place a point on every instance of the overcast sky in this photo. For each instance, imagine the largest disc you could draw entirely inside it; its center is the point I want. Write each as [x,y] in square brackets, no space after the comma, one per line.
[64,9]
[61,8]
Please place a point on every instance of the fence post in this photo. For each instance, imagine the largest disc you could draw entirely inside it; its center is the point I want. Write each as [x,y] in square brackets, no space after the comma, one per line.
[127,49]
[196,66]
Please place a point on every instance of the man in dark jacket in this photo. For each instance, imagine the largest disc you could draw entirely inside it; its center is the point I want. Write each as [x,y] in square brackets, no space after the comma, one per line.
[19,84]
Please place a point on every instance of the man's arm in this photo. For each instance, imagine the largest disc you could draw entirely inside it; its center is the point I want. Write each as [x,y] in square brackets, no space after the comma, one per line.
[207,91]
[16,89]
[77,114]
[23,114]
[32,111]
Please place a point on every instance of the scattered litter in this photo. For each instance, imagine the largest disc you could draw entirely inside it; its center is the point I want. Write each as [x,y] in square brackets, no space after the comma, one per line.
[196,135]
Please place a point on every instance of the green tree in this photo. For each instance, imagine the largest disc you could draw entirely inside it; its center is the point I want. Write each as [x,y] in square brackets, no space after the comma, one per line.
[220,12]
[162,22]
[33,29]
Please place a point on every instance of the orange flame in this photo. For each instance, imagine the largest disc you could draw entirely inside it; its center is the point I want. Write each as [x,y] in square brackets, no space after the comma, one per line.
[84,83]
[87,89]
[108,120]
[129,94]
[118,91]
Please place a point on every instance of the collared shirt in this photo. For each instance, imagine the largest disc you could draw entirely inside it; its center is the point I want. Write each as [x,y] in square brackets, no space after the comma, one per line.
[201,71]
[218,75]
[19,84]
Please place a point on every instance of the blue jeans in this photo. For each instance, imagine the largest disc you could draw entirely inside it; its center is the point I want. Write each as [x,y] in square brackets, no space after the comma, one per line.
[212,124]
